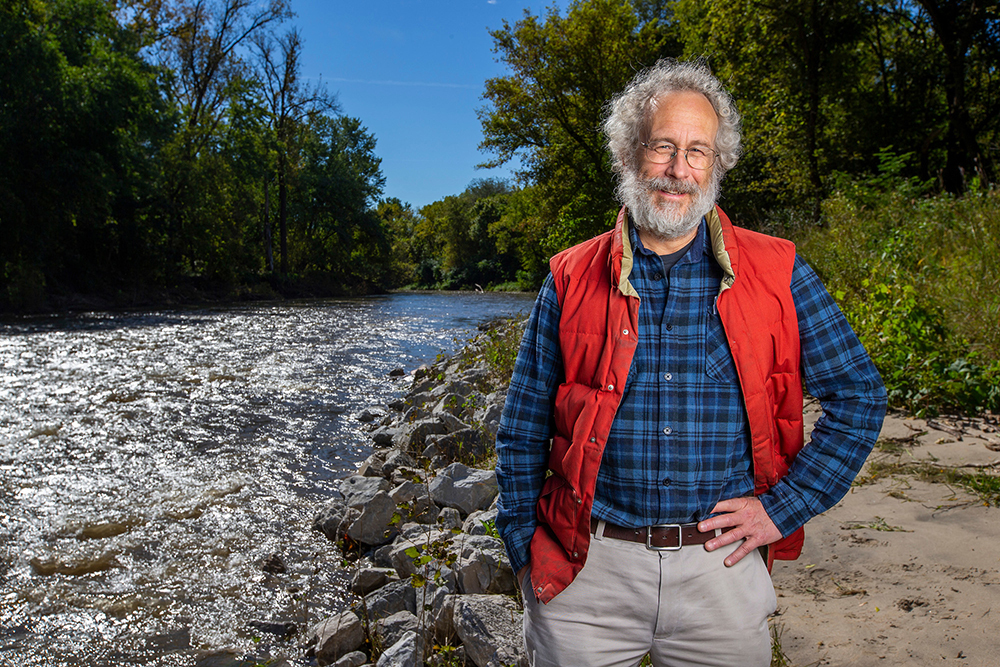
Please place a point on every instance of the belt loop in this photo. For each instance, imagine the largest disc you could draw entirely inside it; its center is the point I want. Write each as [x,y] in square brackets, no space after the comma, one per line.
[599,533]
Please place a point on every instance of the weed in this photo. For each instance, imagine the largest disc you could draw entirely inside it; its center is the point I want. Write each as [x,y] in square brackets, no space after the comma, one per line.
[878,523]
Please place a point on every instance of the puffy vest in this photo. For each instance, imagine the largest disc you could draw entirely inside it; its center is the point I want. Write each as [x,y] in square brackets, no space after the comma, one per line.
[597,335]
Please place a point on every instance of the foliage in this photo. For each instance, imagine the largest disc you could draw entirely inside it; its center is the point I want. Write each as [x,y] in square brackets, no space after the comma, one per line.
[143,145]
[900,269]
[547,111]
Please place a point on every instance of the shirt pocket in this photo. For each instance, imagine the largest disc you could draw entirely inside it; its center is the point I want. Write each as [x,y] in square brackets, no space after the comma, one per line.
[719,364]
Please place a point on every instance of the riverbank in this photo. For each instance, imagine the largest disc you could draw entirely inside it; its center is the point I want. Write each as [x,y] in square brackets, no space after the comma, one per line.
[905,570]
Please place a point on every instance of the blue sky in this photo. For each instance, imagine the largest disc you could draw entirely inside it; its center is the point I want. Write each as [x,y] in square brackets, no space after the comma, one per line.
[413,72]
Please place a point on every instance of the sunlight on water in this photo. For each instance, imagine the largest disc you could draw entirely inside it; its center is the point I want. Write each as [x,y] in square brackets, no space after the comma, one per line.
[150,463]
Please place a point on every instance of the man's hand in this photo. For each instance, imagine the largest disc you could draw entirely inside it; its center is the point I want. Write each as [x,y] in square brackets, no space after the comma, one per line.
[749,521]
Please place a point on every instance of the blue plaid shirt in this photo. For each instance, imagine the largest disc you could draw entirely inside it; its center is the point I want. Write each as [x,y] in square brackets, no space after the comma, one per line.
[680,439]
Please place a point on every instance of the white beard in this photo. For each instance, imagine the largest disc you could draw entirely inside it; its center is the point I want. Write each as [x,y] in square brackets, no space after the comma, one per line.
[666,220]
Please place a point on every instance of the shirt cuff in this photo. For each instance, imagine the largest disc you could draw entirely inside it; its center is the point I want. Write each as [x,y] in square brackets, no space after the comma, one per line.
[786,509]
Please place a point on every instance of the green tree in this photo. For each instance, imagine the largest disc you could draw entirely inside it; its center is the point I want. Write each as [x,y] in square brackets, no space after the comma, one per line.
[81,116]
[547,112]
[338,233]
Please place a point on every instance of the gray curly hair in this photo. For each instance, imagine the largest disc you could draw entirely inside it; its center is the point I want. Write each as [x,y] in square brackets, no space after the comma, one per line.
[628,115]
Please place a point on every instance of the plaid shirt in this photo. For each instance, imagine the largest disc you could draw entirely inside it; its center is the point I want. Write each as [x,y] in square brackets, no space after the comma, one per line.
[680,439]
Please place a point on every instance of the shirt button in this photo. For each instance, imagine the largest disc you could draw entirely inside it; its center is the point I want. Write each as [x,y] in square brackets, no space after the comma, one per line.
[657,276]
[670,327]
[668,430]
[611,387]
[666,481]
[593,439]
[625,332]
[668,376]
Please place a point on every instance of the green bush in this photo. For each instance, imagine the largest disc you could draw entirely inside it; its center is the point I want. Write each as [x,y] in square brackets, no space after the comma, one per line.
[917,277]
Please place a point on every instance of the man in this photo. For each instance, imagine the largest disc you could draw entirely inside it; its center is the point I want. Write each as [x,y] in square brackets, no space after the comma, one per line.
[651,459]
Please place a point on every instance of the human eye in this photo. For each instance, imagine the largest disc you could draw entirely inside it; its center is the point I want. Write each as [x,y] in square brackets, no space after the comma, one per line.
[664,148]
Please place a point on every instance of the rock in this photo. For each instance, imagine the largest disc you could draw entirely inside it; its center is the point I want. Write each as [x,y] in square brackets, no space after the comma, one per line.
[274,565]
[482,566]
[477,522]
[394,597]
[359,490]
[392,628]
[397,373]
[368,415]
[439,603]
[414,502]
[452,404]
[396,460]
[334,519]
[490,628]
[466,444]
[353,659]
[407,564]
[404,653]
[449,519]
[281,630]
[337,636]
[369,579]
[375,525]
[466,489]
[410,437]
[383,435]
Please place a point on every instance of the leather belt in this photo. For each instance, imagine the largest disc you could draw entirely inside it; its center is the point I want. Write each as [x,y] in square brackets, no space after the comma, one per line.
[663,537]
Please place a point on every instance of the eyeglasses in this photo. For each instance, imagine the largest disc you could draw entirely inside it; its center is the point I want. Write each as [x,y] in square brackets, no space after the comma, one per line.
[663,152]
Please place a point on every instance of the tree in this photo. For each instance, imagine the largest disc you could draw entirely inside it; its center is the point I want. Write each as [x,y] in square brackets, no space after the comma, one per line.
[288,104]
[547,112]
[968,31]
[81,115]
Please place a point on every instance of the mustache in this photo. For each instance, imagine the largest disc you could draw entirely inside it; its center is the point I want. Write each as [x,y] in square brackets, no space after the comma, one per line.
[671,185]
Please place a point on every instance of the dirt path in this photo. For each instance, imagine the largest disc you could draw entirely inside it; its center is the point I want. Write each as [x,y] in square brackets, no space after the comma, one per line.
[902,571]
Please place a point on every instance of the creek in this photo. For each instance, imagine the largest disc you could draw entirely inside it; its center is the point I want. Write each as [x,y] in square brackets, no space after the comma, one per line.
[159,470]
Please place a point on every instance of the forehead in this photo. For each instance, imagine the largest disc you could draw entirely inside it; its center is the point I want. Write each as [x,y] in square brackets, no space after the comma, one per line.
[683,117]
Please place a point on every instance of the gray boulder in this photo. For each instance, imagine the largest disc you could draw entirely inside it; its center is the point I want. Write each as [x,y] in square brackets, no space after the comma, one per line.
[392,628]
[466,489]
[334,519]
[482,566]
[414,502]
[352,659]
[395,460]
[369,579]
[477,521]
[394,597]
[359,490]
[404,653]
[490,628]
[375,524]
[336,637]
[410,437]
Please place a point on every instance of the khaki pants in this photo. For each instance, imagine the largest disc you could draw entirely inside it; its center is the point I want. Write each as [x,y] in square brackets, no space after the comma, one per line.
[682,607]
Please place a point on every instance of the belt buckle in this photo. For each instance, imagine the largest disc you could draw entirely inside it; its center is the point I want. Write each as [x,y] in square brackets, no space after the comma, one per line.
[649,537]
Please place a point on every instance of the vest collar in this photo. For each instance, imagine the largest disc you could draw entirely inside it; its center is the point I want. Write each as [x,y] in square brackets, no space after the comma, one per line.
[721,240]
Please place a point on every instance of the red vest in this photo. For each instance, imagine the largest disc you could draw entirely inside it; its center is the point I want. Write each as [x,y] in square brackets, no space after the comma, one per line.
[597,335]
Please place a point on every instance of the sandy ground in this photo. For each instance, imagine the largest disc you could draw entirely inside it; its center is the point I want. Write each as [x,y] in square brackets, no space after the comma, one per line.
[902,571]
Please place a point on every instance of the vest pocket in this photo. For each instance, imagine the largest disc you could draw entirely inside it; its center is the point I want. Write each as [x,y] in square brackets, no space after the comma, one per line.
[558,509]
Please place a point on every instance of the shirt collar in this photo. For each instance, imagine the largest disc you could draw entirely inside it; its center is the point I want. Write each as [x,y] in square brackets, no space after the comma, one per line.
[698,247]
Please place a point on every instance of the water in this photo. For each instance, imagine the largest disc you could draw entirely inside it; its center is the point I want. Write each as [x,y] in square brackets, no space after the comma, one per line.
[150,463]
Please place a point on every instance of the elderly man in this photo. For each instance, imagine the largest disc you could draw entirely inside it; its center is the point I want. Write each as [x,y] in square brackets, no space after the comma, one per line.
[651,459]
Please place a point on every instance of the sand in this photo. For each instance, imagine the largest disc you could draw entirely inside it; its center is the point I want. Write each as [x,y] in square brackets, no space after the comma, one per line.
[902,571]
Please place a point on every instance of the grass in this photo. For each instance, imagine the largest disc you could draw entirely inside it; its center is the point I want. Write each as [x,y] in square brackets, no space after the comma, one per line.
[980,483]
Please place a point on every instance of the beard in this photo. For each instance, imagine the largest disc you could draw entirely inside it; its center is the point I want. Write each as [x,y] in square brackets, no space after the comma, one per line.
[666,219]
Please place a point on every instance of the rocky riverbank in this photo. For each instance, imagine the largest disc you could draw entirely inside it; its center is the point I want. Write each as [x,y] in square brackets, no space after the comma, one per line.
[432,580]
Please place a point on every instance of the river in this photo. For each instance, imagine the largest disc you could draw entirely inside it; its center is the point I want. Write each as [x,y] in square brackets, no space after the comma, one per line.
[152,463]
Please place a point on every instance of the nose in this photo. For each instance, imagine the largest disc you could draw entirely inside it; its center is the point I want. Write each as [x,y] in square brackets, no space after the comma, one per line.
[678,167]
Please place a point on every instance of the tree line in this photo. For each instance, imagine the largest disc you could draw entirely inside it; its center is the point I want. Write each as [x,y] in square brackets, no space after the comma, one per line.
[149,143]
[152,144]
